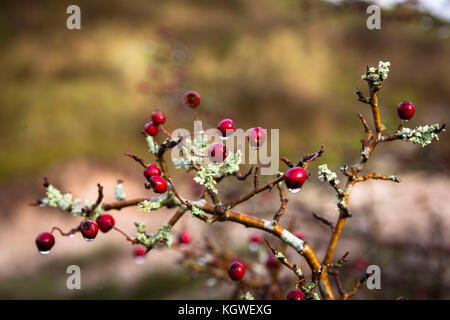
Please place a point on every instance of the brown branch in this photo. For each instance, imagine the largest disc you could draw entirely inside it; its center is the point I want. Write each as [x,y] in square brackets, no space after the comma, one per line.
[255,192]
[66,234]
[117,205]
[98,201]
[125,235]
[361,96]
[376,177]
[136,158]
[282,258]
[288,162]
[242,177]
[284,201]
[356,287]
[255,178]
[310,157]
[323,220]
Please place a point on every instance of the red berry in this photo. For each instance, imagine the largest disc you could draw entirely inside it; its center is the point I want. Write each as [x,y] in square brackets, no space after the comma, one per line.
[158,117]
[295,295]
[271,262]
[236,270]
[217,152]
[44,242]
[256,137]
[360,264]
[226,127]
[152,170]
[300,235]
[295,177]
[192,99]
[140,250]
[89,229]
[105,222]
[255,238]
[151,129]
[158,184]
[184,237]
[405,110]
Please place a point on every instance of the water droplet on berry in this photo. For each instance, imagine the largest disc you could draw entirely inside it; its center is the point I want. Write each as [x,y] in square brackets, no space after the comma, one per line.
[71,235]
[224,138]
[139,260]
[255,147]
[252,246]
[88,240]
[295,190]
[44,252]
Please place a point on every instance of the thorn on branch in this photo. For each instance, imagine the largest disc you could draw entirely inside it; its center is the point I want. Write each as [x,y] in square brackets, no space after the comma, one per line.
[136,158]
[361,96]
[284,201]
[99,199]
[287,162]
[242,177]
[256,177]
[324,220]
[310,157]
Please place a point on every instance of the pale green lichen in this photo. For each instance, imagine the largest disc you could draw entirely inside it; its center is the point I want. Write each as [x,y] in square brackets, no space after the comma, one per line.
[207,176]
[327,175]
[151,240]
[377,75]
[422,135]
[65,202]
[196,211]
[154,204]
[153,147]
[247,296]
[231,164]
[119,194]
[192,152]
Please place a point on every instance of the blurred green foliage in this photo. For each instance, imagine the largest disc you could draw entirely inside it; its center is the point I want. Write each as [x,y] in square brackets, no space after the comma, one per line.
[285,64]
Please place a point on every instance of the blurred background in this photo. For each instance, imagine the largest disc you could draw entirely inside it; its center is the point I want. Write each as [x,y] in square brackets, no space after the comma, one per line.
[73,101]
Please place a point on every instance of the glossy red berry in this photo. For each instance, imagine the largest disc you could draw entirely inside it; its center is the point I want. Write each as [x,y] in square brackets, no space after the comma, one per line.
[236,270]
[296,295]
[217,152]
[256,137]
[226,127]
[255,238]
[295,178]
[151,129]
[158,117]
[405,110]
[44,242]
[271,262]
[89,229]
[105,222]
[152,170]
[184,238]
[158,184]
[192,99]
[140,251]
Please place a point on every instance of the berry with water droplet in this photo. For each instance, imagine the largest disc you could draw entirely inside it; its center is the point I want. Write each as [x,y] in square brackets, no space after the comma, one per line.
[405,110]
[152,170]
[158,184]
[217,152]
[139,253]
[295,178]
[158,117]
[105,222]
[256,137]
[89,229]
[226,127]
[296,295]
[255,238]
[151,129]
[192,99]
[236,270]
[184,237]
[44,242]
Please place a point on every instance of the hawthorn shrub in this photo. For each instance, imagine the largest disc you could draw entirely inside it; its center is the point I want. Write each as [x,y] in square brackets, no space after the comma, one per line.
[220,262]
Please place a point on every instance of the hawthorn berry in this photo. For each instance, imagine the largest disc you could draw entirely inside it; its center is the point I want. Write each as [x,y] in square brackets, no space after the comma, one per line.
[44,242]
[105,222]
[192,99]
[184,237]
[158,117]
[405,110]
[139,253]
[296,295]
[272,262]
[151,128]
[256,137]
[152,170]
[295,178]
[255,238]
[236,270]
[300,235]
[158,184]
[89,229]
[217,152]
[360,264]
[226,127]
